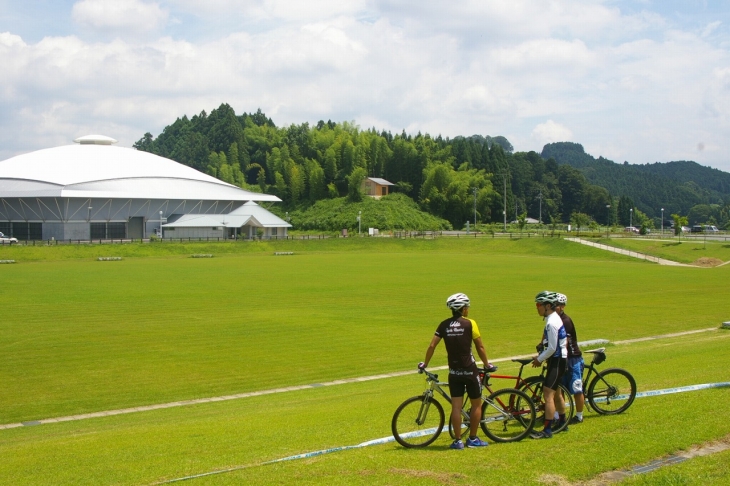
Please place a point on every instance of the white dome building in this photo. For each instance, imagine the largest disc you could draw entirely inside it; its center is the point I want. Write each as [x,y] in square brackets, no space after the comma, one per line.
[93,190]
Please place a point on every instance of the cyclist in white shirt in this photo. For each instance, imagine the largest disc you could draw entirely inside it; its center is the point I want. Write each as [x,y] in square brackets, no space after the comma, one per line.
[555,354]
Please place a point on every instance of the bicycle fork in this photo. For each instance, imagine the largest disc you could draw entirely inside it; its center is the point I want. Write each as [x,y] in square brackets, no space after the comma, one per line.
[423,412]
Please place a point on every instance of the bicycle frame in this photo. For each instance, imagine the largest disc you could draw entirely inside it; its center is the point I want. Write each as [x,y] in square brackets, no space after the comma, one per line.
[435,386]
[599,356]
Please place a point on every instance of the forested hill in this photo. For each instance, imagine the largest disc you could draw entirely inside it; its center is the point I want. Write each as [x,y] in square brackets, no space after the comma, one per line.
[675,186]
[460,179]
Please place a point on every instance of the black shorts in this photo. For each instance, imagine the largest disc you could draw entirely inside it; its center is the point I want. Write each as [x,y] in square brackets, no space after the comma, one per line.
[556,368]
[465,381]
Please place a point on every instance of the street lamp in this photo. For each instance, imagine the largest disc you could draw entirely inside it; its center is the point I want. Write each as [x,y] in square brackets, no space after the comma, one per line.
[631,218]
[662,221]
[608,218]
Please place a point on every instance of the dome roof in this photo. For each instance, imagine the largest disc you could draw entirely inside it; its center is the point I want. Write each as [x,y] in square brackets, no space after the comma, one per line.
[94,168]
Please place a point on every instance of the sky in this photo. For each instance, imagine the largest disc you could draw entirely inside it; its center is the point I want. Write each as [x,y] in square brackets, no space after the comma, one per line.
[638,81]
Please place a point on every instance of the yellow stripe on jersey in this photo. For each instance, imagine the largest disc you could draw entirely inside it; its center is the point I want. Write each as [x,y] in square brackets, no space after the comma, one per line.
[474,329]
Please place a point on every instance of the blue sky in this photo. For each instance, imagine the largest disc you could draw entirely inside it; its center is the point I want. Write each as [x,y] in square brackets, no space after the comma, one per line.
[637,81]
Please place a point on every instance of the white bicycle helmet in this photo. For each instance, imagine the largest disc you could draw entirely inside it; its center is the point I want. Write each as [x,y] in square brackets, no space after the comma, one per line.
[457,301]
[562,299]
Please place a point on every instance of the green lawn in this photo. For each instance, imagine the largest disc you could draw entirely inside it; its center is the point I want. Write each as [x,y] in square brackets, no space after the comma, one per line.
[81,336]
[167,444]
[685,250]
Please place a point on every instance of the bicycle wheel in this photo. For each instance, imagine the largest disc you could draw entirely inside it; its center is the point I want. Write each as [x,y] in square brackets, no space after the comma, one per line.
[533,389]
[507,415]
[612,391]
[418,421]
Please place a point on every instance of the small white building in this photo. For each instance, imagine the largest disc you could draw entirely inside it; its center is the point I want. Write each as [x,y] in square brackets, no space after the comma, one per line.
[243,222]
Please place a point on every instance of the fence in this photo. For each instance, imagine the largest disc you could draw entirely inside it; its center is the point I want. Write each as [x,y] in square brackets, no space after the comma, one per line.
[392,234]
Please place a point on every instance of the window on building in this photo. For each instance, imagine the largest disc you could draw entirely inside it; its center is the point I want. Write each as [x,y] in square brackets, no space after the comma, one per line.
[116,230]
[27,231]
[108,231]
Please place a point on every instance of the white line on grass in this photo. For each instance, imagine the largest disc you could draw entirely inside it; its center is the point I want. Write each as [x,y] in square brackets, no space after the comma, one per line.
[185,403]
[384,440]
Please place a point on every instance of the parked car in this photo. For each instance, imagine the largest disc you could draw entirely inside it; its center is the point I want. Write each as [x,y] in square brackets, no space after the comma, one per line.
[705,228]
[7,240]
[686,229]
[631,229]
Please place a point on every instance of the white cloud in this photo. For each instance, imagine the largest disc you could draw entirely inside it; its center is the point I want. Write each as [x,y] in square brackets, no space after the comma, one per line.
[550,132]
[132,16]
[627,85]
[710,28]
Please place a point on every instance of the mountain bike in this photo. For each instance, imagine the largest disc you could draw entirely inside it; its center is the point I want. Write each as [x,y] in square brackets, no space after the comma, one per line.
[612,390]
[508,415]
[532,387]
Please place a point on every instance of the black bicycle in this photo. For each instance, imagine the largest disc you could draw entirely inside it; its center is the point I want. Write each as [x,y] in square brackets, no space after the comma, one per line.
[612,390]
[508,415]
[532,386]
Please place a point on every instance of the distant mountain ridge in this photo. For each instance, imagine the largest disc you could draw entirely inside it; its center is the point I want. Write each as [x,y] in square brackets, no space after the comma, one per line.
[674,186]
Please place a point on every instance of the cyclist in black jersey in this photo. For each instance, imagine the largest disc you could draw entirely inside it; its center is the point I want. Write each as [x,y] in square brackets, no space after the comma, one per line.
[573,377]
[458,333]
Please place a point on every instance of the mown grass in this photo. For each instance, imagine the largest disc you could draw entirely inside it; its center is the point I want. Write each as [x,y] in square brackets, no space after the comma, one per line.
[80,336]
[680,250]
[314,244]
[714,469]
[84,336]
[155,446]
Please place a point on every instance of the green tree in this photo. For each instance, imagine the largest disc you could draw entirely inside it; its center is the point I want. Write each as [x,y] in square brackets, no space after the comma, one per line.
[679,221]
[522,221]
[579,220]
[354,181]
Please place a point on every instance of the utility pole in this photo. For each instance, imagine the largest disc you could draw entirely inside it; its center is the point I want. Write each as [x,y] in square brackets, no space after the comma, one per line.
[504,204]
[475,209]
[539,196]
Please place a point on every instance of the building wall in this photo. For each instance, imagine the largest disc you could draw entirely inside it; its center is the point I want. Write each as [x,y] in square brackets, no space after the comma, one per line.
[371,188]
[205,232]
[56,231]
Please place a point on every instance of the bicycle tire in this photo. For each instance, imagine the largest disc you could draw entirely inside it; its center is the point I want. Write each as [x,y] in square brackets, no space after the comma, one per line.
[414,422]
[508,415]
[533,388]
[612,391]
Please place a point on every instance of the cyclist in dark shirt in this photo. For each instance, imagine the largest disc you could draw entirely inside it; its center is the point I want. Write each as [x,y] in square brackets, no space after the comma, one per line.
[458,333]
[573,377]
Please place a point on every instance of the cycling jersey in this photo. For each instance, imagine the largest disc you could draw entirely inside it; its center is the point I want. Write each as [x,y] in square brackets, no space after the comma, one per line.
[573,349]
[458,334]
[554,339]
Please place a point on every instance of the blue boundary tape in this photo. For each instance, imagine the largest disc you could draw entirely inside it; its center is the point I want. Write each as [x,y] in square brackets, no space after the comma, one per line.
[385,440]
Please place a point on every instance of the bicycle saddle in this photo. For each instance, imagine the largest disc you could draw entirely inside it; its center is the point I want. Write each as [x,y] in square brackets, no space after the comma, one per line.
[522,361]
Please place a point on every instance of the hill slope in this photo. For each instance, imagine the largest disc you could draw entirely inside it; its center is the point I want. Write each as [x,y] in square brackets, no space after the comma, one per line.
[674,186]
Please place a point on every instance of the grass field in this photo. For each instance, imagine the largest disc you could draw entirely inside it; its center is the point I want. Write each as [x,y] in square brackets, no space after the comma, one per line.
[680,250]
[83,336]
